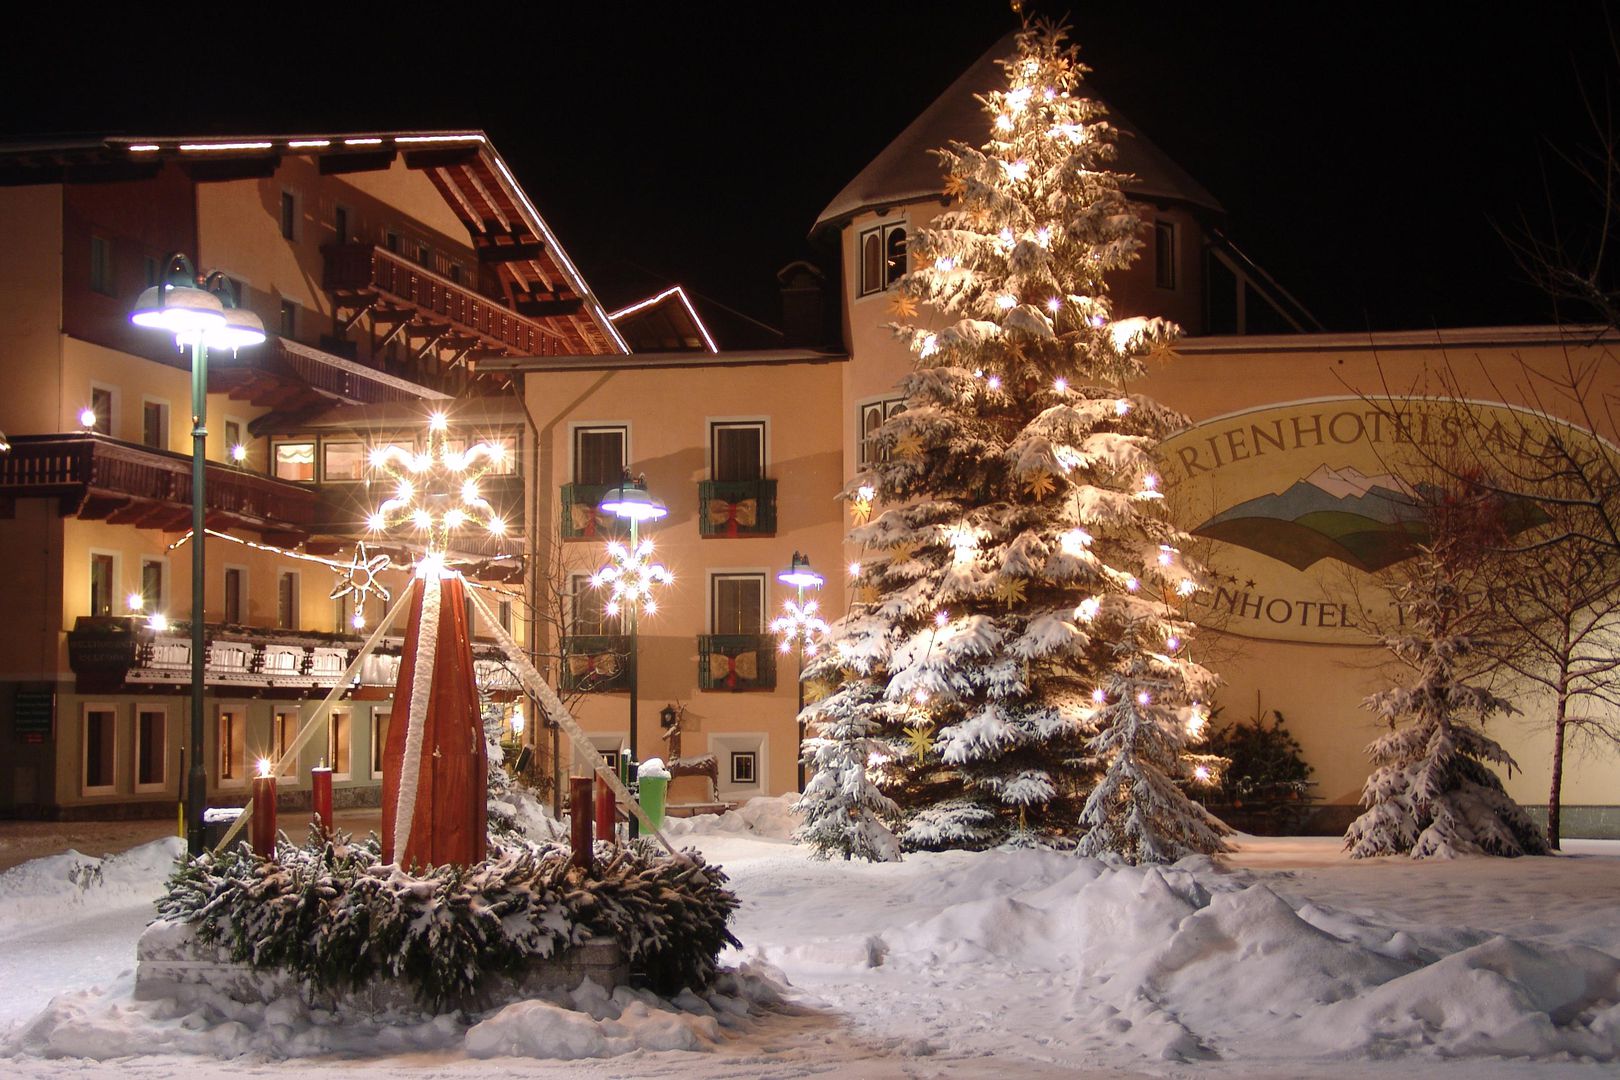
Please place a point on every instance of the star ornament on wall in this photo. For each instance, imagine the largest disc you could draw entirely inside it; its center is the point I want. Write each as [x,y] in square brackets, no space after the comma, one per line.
[359,580]
[903,305]
[436,491]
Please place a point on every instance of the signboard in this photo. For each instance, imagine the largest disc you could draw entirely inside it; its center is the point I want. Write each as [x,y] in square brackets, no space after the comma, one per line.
[34,715]
[1300,505]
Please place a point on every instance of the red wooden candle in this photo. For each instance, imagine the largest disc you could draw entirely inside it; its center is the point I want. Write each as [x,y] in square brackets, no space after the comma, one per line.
[320,786]
[604,811]
[263,823]
[579,820]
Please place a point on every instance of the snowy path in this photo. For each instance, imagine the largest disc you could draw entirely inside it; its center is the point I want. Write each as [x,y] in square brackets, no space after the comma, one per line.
[1286,961]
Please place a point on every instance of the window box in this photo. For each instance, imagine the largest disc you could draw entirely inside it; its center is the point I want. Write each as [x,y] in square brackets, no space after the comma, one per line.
[596,663]
[736,662]
[737,508]
[581,520]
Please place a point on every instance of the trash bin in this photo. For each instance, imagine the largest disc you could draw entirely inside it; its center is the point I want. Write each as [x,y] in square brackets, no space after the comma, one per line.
[217,821]
[654,786]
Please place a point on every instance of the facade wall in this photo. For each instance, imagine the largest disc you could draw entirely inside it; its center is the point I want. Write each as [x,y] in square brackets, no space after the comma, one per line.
[31,305]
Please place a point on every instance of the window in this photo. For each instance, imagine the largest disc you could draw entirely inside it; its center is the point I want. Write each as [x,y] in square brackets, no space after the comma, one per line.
[235,588]
[599,454]
[103,580]
[508,465]
[869,418]
[391,240]
[379,741]
[737,450]
[152,584]
[289,319]
[232,746]
[738,605]
[151,725]
[101,403]
[101,269]
[295,461]
[744,766]
[155,424]
[289,216]
[287,600]
[343,461]
[424,255]
[337,744]
[504,613]
[340,224]
[1164,254]
[883,256]
[588,617]
[150,265]
[283,730]
[100,749]
[455,273]
[233,438]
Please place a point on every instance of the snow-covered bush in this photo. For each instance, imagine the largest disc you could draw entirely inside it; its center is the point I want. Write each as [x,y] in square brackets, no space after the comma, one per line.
[334,915]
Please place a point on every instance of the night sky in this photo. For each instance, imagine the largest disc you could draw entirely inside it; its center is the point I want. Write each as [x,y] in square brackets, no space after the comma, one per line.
[1369,157]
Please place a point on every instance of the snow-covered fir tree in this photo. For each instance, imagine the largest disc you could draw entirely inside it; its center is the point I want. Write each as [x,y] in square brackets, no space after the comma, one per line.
[1432,792]
[1015,645]
[844,812]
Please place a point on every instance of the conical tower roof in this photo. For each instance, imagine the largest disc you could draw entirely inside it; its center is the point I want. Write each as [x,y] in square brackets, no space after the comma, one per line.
[906,172]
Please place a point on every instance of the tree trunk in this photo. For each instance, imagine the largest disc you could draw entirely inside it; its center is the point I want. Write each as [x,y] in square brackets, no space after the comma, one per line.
[1554,799]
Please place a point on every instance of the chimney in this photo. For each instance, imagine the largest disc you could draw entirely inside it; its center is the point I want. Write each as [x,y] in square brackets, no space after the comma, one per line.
[803,303]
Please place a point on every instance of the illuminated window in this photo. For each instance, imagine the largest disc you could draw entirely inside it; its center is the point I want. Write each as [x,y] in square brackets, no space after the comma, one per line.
[587,617]
[882,256]
[232,746]
[287,600]
[103,580]
[235,588]
[337,744]
[155,424]
[343,461]
[283,730]
[152,584]
[101,403]
[379,741]
[100,749]
[1164,254]
[295,461]
[151,724]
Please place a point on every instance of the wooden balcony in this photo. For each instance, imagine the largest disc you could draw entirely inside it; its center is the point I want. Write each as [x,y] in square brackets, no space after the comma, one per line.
[393,289]
[113,654]
[291,378]
[737,508]
[736,662]
[581,520]
[596,663]
[101,479]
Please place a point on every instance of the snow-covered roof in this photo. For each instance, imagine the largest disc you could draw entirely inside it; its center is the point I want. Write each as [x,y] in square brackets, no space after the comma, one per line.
[906,172]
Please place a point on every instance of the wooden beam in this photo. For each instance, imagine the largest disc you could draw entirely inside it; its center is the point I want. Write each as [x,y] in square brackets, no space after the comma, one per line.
[439,159]
[212,170]
[506,250]
[368,161]
[550,309]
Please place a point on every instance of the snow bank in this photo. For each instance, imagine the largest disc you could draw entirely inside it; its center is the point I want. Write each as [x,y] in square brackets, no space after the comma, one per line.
[768,818]
[67,885]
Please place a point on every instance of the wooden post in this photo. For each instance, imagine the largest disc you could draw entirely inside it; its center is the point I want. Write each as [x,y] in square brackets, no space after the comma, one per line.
[579,821]
[263,825]
[320,787]
[604,811]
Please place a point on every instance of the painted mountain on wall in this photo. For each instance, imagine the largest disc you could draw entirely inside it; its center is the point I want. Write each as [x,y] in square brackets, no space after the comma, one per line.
[1369,522]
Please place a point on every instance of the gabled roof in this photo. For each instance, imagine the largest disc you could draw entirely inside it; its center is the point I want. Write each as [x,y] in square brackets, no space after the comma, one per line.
[504,227]
[664,321]
[906,172]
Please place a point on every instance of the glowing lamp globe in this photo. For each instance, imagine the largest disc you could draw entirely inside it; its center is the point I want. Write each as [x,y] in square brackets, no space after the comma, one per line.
[799,574]
[632,503]
[181,310]
[239,330]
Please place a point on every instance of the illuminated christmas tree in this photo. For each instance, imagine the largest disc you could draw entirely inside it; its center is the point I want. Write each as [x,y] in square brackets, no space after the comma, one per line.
[1016,659]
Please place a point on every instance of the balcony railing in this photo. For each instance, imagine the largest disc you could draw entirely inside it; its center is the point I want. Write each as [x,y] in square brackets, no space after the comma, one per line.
[596,663]
[101,478]
[362,269]
[581,520]
[736,662]
[737,508]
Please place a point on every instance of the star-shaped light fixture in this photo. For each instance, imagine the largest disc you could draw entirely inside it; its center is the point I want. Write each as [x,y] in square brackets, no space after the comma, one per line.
[799,623]
[359,579]
[630,577]
[436,491]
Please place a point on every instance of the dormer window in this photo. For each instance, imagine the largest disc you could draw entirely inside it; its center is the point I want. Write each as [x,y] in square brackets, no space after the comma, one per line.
[883,256]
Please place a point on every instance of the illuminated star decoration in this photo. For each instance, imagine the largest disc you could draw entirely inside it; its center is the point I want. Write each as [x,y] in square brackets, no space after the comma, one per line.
[436,491]
[359,579]
[801,625]
[630,577]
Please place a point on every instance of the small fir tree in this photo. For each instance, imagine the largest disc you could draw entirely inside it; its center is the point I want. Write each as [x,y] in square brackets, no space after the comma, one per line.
[1432,792]
[844,811]
[1016,635]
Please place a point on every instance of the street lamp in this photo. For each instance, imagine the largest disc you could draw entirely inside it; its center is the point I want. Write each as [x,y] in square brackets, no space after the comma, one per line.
[201,314]
[632,574]
[800,624]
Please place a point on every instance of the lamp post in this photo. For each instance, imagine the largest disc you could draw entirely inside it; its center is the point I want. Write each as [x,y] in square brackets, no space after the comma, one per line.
[800,625]
[631,575]
[200,314]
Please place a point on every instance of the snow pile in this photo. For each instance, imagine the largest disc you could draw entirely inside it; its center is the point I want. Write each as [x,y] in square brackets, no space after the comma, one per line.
[766,818]
[1195,961]
[652,768]
[66,885]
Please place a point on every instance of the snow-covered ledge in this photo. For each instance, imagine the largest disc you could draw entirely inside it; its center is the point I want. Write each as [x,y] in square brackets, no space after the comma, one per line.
[172,963]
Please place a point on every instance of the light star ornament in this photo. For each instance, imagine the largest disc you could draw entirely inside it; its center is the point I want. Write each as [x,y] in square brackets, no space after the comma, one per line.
[359,579]
[799,624]
[436,491]
[921,739]
[630,578]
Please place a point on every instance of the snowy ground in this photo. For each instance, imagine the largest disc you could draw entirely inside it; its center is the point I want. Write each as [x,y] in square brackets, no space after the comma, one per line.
[1287,960]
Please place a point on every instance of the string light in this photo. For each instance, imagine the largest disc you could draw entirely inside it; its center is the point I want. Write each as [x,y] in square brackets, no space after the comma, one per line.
[930,346]
[941,618]
[1173,643]
[1054,305]
[87,418]
[1165,555]
[1075,541]
[1088,608]
[799,624]
[1196,721]
[1099,696]
[1016,170]
[1201,773]
[854,569]
[920,697]
[1043,236]
[1186,587]
[1121,407]
[135,601]
[993,382]
[239,453]
[1018,99]
[436,491]
[945,264]
[158,621]
[1060,385]
[1144,698]
[1131,584]
[1005,302]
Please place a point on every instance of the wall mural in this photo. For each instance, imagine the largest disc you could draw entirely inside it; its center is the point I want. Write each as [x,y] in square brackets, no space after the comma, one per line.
[1301,503]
